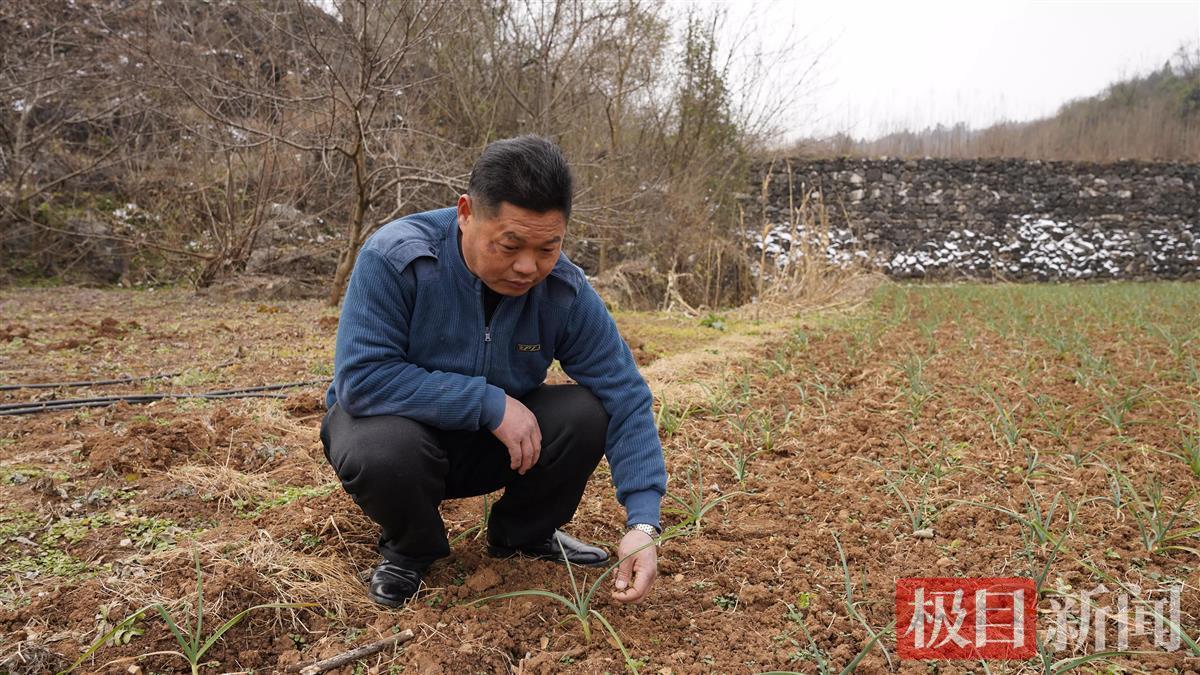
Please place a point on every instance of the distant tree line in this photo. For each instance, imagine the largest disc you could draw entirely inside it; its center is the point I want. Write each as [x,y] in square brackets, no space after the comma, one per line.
[1155,116]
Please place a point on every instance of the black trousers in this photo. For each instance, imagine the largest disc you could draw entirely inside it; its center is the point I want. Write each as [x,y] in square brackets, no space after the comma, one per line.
[398,471]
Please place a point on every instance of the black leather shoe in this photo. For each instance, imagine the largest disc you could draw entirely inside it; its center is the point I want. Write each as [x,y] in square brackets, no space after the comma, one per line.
[393,585]
[577,552]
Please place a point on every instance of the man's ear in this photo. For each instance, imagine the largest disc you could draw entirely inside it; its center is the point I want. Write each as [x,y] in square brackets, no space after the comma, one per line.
[464,211]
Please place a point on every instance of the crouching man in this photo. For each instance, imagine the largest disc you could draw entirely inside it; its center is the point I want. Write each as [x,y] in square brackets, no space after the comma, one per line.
[449,324]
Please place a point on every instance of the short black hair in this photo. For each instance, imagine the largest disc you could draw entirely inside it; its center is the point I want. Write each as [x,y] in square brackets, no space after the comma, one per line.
[527,171]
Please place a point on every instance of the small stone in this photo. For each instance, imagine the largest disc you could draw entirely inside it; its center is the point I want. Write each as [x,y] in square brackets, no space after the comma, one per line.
[126,543]
[924,533]
[945,562]
[678,578]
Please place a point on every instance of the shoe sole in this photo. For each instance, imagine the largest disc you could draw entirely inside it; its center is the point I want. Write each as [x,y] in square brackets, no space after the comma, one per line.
[393,604]
[503,553]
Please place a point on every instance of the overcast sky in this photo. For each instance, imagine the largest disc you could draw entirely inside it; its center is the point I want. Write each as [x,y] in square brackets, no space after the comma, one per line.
[911,64]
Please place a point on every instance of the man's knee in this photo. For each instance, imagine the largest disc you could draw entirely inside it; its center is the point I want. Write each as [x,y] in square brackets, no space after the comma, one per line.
[587,418]
[384,449]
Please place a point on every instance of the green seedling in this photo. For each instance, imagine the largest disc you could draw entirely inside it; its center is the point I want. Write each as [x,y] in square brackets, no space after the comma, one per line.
[738,460]
[779,364]
[1052,667]
[720,398]
[1055,420]
[920,511]
[1004,425]
[670,418]
[852,605]
[1155,521]
[916,502]
[579,604]
[918,392]
[759,430]
[693,505]
[193,645]
[1177,344]
[806,396]
[1189,451]
[1115,409]
[936,461]
[1038,520]
[818,656]
[194,648]
[478,528]
[1037,517]
[122,634]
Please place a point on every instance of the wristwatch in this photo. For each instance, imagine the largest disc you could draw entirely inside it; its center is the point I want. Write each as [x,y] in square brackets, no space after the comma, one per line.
[647,528]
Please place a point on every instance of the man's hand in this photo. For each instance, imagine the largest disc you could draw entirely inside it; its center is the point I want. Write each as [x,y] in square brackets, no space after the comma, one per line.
[637,572]
[520,433]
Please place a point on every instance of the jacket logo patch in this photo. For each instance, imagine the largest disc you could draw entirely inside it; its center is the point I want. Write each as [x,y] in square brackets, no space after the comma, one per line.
[529,348]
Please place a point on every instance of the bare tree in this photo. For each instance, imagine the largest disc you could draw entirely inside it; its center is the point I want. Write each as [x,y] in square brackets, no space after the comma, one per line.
[333,87]
[356,111]
[64,126]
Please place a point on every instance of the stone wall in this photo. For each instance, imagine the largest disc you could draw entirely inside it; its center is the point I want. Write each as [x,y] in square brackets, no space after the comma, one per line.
[994,218]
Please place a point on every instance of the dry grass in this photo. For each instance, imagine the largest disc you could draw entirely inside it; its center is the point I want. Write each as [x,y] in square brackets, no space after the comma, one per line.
[301,578]
[225,484]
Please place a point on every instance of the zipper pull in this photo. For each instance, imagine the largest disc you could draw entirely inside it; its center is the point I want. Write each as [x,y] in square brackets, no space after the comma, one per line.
[487,333]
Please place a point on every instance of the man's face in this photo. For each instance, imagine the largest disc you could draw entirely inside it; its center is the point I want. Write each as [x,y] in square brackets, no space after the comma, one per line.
[512,249]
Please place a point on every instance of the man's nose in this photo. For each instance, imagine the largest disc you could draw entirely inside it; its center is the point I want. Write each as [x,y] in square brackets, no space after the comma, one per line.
[525,265]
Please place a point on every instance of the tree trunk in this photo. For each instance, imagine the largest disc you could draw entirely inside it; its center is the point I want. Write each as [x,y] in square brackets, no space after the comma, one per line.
[354,237]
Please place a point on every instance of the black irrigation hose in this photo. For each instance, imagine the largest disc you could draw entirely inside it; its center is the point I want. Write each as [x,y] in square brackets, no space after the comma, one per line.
[50,407]
[28,407]
[97,383]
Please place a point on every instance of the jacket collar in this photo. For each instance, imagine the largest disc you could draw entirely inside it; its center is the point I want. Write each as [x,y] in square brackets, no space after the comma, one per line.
[454,258]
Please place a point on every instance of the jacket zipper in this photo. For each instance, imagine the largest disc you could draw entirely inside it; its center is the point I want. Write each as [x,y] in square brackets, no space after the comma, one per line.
[487,335]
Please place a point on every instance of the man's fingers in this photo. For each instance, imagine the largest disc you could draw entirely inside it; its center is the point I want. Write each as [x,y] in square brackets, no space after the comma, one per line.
[520,467]
[644,573]
[514,455]
[536,446]
[530,454]
[643,577]
[621,581]
[517,451]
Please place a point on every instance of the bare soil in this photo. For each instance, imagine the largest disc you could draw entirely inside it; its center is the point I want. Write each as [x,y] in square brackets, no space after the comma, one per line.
[852,417]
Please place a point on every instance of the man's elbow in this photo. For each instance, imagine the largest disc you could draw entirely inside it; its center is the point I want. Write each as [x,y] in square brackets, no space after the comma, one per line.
[352,393]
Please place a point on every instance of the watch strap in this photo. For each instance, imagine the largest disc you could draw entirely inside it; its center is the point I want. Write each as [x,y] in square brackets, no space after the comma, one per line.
[649,529]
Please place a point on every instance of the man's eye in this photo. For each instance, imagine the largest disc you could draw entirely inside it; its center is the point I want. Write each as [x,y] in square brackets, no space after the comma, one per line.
[510,249]
[547,250]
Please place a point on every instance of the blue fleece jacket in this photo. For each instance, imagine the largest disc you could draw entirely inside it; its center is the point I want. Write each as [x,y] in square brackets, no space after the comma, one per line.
[411,341]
